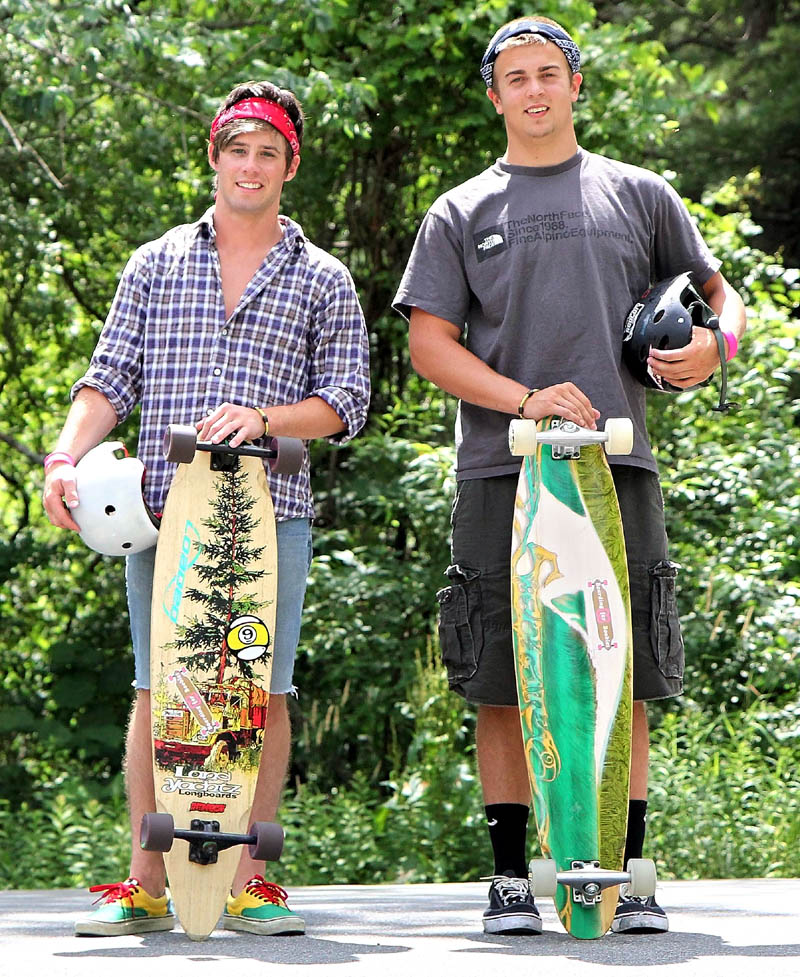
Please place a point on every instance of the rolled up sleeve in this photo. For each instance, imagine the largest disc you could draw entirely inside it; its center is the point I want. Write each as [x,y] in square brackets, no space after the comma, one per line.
[340,353]
[115,369]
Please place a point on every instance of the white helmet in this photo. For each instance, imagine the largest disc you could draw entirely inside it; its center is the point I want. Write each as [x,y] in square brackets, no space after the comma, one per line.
[112,513]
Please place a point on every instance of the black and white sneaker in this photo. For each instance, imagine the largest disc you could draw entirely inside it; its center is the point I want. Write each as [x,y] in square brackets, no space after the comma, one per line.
[511,907]
[636,914]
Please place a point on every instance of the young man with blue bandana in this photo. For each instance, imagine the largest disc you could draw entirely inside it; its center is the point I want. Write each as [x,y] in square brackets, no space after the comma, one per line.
[517,291]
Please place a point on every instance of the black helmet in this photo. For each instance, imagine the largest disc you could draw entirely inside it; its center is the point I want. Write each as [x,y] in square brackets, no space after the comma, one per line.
[663,318]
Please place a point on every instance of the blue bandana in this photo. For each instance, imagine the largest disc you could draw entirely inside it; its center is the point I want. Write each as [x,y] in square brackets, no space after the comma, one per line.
[549,31]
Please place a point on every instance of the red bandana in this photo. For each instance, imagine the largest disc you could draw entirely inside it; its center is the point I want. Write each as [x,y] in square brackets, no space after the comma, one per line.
[260,108]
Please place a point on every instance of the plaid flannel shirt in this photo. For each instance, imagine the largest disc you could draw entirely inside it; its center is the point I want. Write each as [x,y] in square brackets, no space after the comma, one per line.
[297,331]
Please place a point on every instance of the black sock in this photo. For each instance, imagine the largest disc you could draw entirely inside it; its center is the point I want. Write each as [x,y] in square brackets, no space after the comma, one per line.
[637,823]
[508,826]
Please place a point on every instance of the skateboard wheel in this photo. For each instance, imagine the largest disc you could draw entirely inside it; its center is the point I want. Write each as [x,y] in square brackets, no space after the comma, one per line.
[643,877]
[620,436]
[157,832]
[543,877]
[269,841]
[288,458]
[180,442]
[522,436]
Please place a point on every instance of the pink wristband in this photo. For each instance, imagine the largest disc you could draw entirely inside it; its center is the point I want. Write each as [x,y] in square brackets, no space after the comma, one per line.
[55,456]
[733,344]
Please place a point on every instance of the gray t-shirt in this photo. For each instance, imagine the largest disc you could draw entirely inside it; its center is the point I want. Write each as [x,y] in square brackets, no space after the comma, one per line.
[539,266]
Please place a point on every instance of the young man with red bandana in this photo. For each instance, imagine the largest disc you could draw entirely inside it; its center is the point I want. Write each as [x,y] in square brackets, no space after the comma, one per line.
[517,291]
[239,325]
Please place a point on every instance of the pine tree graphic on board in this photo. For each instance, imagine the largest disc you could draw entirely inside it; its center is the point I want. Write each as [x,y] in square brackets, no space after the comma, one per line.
[228,563]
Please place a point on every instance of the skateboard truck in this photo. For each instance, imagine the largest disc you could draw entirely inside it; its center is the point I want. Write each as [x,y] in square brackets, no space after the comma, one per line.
[284,455]
[587,880]
[566,438]
[206,841]
[562,448]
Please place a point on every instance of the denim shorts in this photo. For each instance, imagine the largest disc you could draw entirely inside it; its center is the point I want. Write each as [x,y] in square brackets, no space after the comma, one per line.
[294,562]
[475,610]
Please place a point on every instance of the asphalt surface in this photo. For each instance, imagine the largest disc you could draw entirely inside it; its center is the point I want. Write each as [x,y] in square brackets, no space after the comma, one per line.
[717,929]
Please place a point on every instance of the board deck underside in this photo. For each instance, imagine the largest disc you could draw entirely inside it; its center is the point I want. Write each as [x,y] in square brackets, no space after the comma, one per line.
[213,606]
[572,639]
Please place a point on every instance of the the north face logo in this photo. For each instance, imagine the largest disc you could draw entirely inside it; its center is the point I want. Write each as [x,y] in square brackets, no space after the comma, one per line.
[488,242]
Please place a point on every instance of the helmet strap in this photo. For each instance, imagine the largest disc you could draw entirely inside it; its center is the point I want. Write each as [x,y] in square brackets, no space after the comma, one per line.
[724,404]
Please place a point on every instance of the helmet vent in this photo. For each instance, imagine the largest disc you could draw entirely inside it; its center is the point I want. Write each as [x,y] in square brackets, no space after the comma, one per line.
[110,510]
[697,313]
[658,316]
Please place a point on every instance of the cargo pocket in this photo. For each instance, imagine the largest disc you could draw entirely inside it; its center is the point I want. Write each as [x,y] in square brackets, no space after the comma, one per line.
[665,627]
[460,632]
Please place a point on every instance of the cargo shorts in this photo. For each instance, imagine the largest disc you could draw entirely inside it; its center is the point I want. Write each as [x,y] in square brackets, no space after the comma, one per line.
[475,609]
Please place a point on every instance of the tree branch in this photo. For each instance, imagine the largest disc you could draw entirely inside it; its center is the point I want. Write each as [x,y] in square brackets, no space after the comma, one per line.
[69,281]
[12,442]
[23,499]
[22,148]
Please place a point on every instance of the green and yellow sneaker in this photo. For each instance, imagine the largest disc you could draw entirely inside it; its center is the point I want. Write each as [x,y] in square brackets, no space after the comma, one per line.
[126,909]
[261,908]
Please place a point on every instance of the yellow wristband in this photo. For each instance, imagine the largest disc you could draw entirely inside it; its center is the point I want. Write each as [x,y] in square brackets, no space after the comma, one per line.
[521,408]
[263,415]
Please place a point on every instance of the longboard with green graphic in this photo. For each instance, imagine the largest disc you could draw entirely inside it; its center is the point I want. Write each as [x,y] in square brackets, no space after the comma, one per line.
[572,642]
[212,628]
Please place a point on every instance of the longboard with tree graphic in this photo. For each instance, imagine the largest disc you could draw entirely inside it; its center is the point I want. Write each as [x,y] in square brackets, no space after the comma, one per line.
[573,656]
[212,627]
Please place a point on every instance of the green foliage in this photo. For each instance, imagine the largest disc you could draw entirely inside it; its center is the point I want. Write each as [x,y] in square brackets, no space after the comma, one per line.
[729,488]
[718,798]
[66,668]
[737,69]
[67,835]
[370,603]
[435,794]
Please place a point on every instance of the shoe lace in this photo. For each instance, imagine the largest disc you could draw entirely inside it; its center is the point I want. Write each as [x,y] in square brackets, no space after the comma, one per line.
[268,891]
[116,891]
[510,890]
[644,901]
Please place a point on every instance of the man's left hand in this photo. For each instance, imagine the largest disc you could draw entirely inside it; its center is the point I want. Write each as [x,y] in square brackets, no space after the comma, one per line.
[689,365]
[231,421]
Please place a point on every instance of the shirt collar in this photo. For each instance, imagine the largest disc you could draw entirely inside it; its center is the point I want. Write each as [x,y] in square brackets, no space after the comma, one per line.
[293,239]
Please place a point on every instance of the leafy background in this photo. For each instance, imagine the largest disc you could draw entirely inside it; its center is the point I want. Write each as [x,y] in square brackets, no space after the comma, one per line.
[104,109]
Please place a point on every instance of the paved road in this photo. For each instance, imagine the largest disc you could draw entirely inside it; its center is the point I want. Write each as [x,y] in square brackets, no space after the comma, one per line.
[718,929]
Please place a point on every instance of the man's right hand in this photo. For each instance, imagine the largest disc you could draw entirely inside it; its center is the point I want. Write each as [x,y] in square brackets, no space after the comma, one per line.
[60,495]
[565,400]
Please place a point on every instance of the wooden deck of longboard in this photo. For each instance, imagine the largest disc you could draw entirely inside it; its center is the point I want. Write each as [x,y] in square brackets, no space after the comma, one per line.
[572,637]
[216,565]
